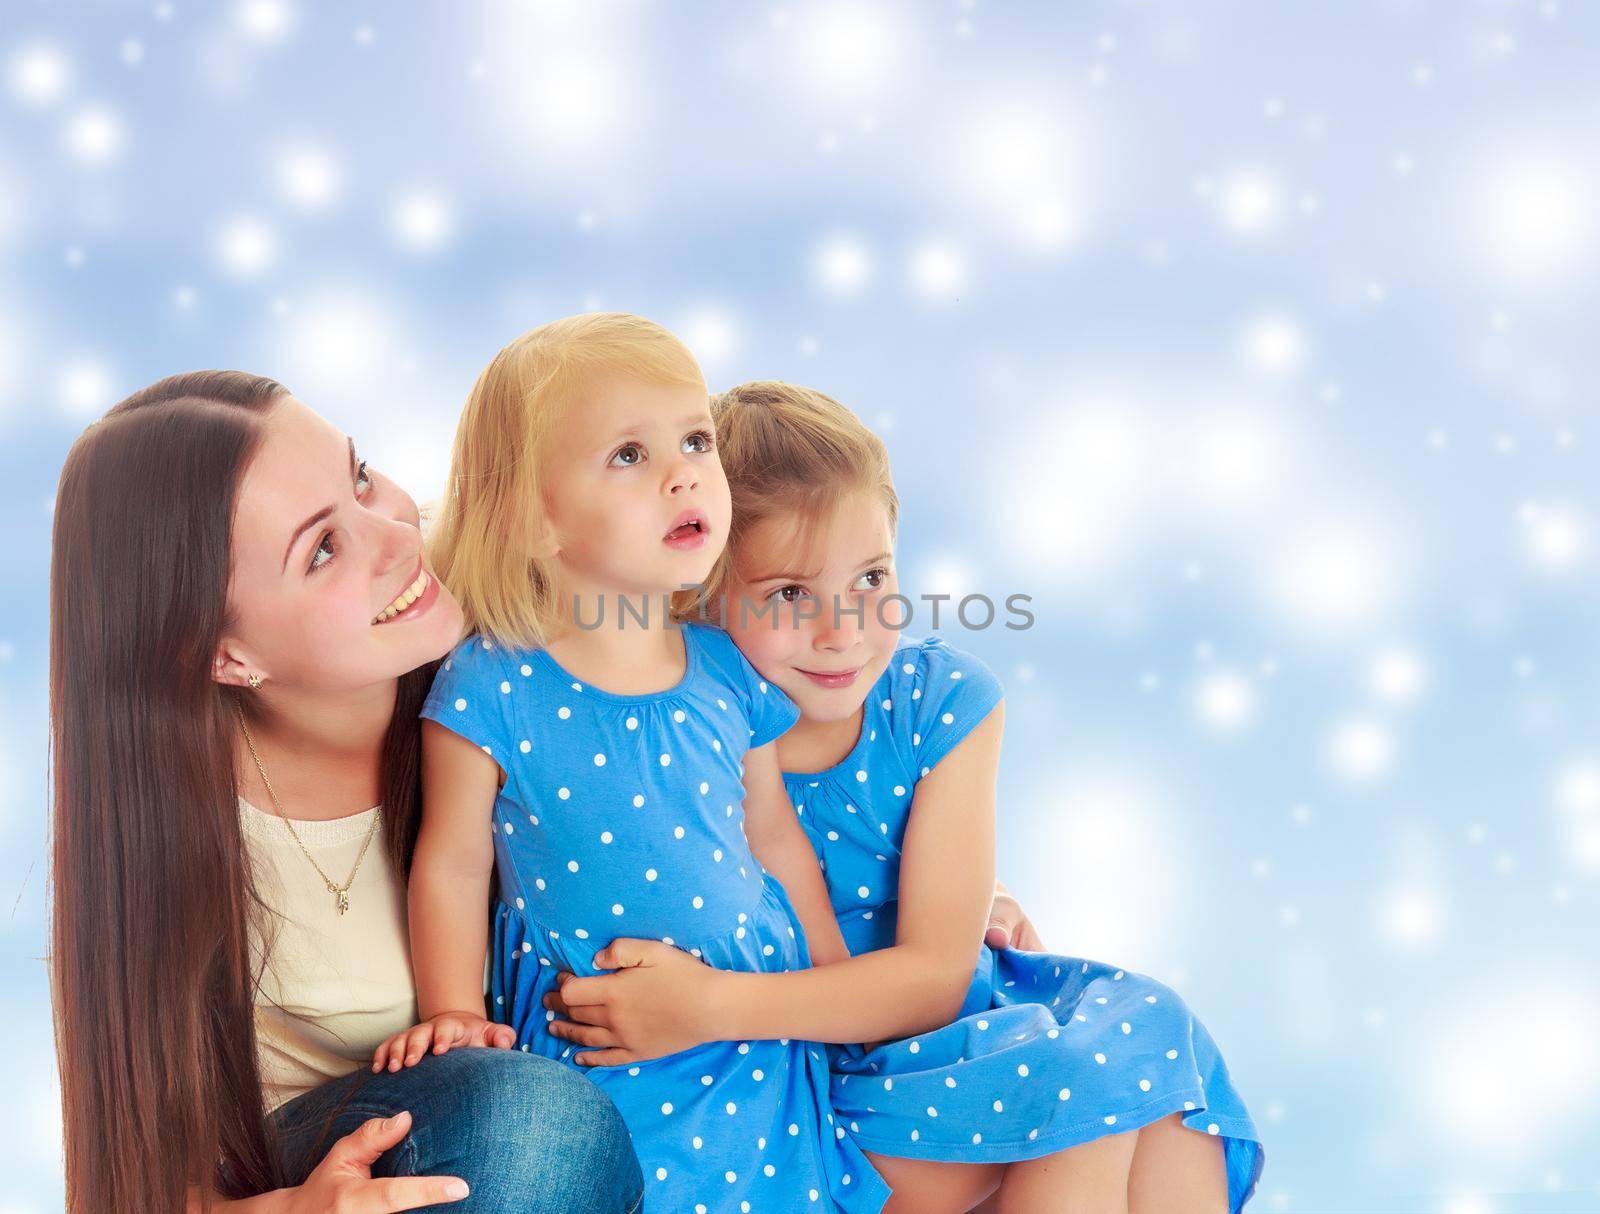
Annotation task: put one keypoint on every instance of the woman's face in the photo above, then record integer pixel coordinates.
(819, 628)
(325, 553)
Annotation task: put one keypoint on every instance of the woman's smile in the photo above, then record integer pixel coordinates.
(411, 602)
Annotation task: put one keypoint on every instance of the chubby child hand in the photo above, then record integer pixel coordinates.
(659, 1001)
(438, 1035)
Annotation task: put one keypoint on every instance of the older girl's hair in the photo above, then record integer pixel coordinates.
(489, 544)
(791, 453)
(152, 970)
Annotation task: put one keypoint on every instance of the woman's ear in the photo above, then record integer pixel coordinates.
(233, 668)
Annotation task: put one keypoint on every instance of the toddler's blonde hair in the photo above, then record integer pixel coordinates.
(489, 542)
(791, 453)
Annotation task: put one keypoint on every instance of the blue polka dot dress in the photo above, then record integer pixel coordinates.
(1047, 1051)
(622, 815)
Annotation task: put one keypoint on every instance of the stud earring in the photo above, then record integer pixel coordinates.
(255, 681)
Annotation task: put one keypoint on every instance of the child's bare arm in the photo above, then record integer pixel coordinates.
(781, 846)
(662, 1000)
(448, 903)
(946, 889)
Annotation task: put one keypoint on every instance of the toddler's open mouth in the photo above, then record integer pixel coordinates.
(688, 530)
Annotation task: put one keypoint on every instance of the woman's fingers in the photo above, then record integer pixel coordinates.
(361, 1147)
(393, 1193)
(347, 1168)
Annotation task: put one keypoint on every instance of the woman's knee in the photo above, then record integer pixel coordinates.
(519, 1089)
(511, 1124)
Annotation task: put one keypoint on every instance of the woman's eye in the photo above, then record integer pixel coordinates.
(633, 450)
(699, 442)
(324, 550)
(363, 479)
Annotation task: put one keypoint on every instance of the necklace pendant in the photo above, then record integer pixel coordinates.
(343, 902)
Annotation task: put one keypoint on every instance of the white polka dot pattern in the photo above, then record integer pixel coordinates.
(1055, 1051)
(624, 818)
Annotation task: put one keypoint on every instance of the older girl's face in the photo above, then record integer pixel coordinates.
(328, 590)
(818, 627)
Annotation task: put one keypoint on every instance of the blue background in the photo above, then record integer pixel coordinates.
(1254, 341)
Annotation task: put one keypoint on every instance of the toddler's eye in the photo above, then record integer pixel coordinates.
(782, 592)
(637, 456)
(878, 578)
(699, 442)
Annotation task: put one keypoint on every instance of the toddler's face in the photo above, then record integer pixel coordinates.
(795, 617)
(635, 490)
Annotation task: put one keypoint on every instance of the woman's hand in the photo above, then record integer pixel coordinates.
(343, 1183)
(441, 1033)
(658, 1002)
(1008, 926)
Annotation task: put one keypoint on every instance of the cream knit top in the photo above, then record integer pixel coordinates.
(334, 985)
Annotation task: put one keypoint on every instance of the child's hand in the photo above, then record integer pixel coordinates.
(441, 1034)
(659, 1002)
(1009, 926)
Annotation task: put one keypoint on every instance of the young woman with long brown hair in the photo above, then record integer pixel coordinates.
(242, 630)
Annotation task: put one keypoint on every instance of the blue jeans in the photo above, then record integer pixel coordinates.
(526, 1133)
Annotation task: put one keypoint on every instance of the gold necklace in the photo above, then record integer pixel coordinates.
(341, 893)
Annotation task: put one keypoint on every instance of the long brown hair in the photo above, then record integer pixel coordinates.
(153, 904)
